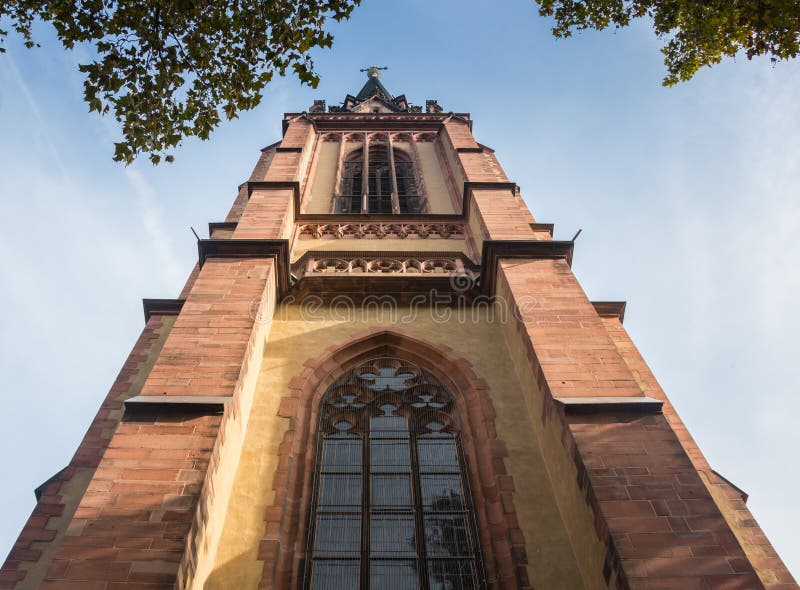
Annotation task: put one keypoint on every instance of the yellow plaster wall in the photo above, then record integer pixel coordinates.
(294, 338)
(324, 178)
(433, 175)
(475, 225)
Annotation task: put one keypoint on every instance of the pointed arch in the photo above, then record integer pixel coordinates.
(502, 543)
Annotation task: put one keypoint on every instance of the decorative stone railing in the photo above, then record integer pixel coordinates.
(443, 231)
(362, 263)
(384, 265)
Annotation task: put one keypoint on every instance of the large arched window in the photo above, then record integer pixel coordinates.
(392, 508)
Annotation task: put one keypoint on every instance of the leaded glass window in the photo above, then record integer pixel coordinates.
(379, 180)
(383, 183)
(352, 182)
(409, 199)
(392, 507)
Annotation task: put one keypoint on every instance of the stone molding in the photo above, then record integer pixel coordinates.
(494, 250)
(249, 248)
(398, 230)
(381, 263)
(161, 307)
(462, 216)
(610, 309)
(596, 405)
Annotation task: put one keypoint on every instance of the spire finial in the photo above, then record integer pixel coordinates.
(373, 71)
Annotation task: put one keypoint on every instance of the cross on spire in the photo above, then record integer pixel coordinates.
(373, 71)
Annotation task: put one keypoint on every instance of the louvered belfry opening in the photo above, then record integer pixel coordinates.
(392, 506)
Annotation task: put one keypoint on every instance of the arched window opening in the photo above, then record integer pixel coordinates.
(407, 190)
(379, 186)
(391, 507)
(352, 182)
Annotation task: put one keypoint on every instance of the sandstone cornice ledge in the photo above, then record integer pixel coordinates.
(161, 307)
(250, 248)
(596, 405)
(209, 403)
(610, 309)
(494, 250)
(221, 226)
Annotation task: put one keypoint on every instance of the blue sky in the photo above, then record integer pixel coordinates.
(687, 198)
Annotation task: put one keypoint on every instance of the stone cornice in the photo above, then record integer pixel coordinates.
(294, 186)
(595, 405)
(610, 309)
(349, 121)
(238, 248)
(378, 218)
(221, 225)
(485, 186)
(494, 250)
(212, 403)
(543, 227)
(161, 307)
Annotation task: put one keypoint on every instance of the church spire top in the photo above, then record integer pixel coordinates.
(373, 86)
(375, 98)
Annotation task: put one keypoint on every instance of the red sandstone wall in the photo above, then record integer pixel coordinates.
(32, 554)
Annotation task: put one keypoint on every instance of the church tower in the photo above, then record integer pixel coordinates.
(383, 374)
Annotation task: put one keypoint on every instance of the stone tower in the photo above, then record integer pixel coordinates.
(382, 373)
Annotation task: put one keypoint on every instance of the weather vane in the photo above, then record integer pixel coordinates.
(373, 71)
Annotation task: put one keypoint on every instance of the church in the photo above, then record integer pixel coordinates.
(383, 374)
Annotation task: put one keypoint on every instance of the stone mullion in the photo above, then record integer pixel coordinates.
(393, 176)
(365, 176)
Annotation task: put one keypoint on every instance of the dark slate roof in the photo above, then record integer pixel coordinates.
(371, 88)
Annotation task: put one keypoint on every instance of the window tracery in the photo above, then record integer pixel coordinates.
(379, 179)
(392, 507)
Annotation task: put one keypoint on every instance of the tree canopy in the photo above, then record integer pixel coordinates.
(697, 32)
(171, 69)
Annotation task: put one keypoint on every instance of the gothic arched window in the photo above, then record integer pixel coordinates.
(391, 508)
(386, 175)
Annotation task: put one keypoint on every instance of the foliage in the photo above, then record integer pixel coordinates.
(170, 69)
(697, 32)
